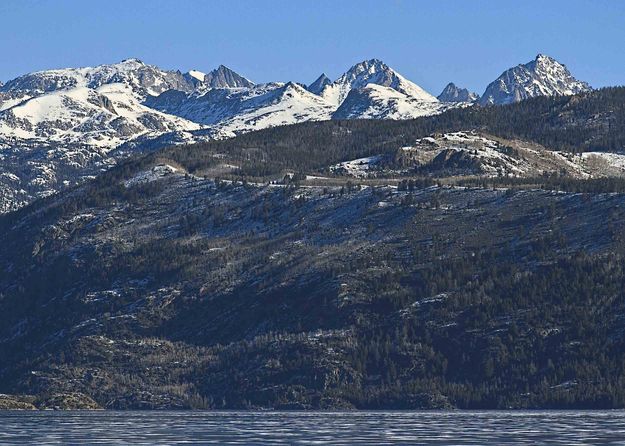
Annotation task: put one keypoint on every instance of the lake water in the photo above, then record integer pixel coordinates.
(313, 428)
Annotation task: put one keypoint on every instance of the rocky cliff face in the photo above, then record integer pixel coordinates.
(319, 84)
(224, 77)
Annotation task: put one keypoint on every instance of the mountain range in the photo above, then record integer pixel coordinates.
(60, 127)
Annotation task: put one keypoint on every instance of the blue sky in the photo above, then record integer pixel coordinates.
(430, 42)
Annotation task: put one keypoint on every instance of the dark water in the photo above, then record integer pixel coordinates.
(380, 428)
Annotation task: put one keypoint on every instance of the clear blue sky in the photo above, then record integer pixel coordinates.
(431, 42)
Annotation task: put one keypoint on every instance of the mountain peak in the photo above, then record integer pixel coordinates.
(224, 77)
(543, 76)
(543, 60)
(544, 57)
(453, 93)
(373, 71)
(319, 84)
(369, 66)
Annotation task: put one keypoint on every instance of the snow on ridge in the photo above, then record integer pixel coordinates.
(380, 102)
(197, 75)
(358, 168)
(372, 71)
(156, 173)
(543, 76)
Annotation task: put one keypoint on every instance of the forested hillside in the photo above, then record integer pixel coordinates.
(162, 290)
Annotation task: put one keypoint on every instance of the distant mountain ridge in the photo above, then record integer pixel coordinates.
(59, 127)
(79, 105)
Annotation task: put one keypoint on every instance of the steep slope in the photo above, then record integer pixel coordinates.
(224, 77)
(194, 78)
(319, 84)
(372, 71)
(544, 76)
(453, 93)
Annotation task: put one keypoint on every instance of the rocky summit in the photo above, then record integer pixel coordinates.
(453, 93)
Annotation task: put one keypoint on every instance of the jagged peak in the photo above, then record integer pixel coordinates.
(543, 76)
(322, 78)
(370, 65)
(295, 86)
(373, 62)
(453, 93)
(224, 77)
(544, 57)
(542, 60)
(371, 70)
(319, 84)
(224, 69)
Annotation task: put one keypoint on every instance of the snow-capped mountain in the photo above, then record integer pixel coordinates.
(99, 106)
(379, 102)
(109, 105)
(232, 111)
(229, 111)
(58, 127)
(544, 76)
(373, 91)
(453, 93)
(372, 71)
(144, 79)
(273, 105)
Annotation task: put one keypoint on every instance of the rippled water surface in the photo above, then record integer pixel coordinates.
(379, 428)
